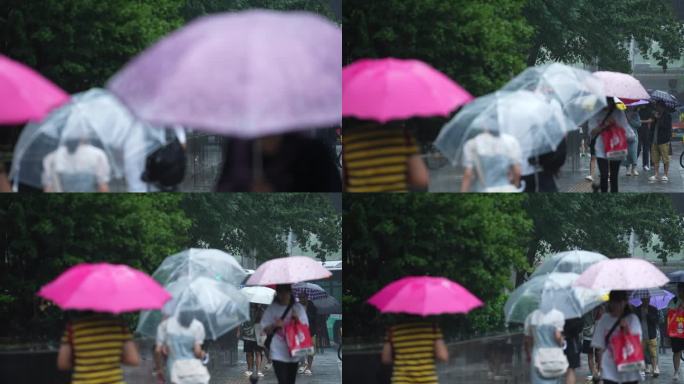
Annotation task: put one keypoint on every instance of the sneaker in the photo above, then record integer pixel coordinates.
(653, 178)
(308, 372)
(267, 366)
(589, 178)
(260, 374)
(664, 178)
(634, 172)
(301, 370)
(647, 168)
(248, 373)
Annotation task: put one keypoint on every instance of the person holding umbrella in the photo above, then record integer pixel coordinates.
(543, 330)
(312, 315)
(280, 313)
(661, 133)
(648, 316)
(677, 343)
(247, 332)
(612, 117)
(182, 344)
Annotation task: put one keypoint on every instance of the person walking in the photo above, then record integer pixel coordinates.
(407, 346)
(593, 359)
(106, 336)
(492, 163)
(247, 333)
(633, 147)
(617, 317)
(281, 312)
(182, 345)
(543, 330)
(76, 166)
(609, 167)
(644, 148)
(382, 158)
(661, 134)
(545, 170)
(572, 333)
(312, 315)
(676, 343)
(648, 316)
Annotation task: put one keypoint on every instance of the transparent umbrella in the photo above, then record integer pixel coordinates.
(538, 124)
(196, 262)
(575, 261)
(579, 93)
(94, 118)
(219, 306)
(551, 291)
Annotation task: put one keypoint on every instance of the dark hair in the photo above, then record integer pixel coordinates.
(283, 288)
(680, 286)
(618, 296)
(185, 318)
(72, 144)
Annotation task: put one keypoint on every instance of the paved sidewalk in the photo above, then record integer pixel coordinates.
(448, 178)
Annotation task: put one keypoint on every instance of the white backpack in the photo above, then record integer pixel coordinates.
(550, 362)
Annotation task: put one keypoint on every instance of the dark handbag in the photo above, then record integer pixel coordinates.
(269, 337)
(166, 166)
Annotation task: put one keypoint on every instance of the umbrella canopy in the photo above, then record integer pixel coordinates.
(259, 295)
(638, 103)
(288, 270)
(328, 306)
(424, 296)
(395, 89)
(95, 117)
(245, 74)
(576, 261)
(669, 100)
(312, 291)
(539, 125)
(551, 291)
(676, 277)
(219, 306)
(579, 93)
(25, 94)
(622, 274)
(105, 287)
(622, 85)
(196, 262)
(660, 298)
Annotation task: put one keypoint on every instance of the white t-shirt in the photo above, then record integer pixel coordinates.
(603, 326)
(171, 325)
(537, 318)
(86, 159)
(486, 144)
(279, 350)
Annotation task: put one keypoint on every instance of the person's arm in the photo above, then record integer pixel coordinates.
(515, 174)
(5, 185)
(199, 353)
(559, 336)
(418, 175)
(64, 357)
(103, 188)
(130, 355)
(467, 180)
(528, 342)
(441, 350)
(386, 356)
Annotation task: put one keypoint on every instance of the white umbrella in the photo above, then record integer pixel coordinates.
(288, 270)
(575, 261)
(259, 295)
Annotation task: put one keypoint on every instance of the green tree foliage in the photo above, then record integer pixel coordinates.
(474, 240)
(586, 30)
(194, 8)
(244, 222)
(79, 44)
(479, 44)
(603, 223)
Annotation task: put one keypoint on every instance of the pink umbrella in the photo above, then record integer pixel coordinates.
(25, 94)
(621, 274)
(394, 89)
(424, 295)
(623, 86)
(105, 288)
(288, 270)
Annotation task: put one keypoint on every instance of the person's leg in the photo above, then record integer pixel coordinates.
(257, 360)
(655, 159)
(570, 376)
(250, 361)
(653, 351)
(292, 373)
(665, 154)
(280, 368)
(614, 171)
(603, 173)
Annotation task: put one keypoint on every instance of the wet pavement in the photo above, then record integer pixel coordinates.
(327, 369)
(445, 178)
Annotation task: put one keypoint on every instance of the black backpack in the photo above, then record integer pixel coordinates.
(165, 167)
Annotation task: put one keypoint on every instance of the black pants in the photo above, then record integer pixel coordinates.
(608, 168)
(615, 382)
(286, 373)
(547, 183)
(644, 146)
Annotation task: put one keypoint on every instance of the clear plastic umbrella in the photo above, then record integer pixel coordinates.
(576, 261)
(259, 295)
(551, 291)
(538, 124)
(196, 262)
(579, 93)
(95, 117)
(219, 306)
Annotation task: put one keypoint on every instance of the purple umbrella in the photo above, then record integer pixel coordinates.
(659, 297)
(246, 74)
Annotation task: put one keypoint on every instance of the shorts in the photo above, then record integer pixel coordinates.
(573, 351)
(660, 151)
(252, 346)
(586, 347)
(677, 344)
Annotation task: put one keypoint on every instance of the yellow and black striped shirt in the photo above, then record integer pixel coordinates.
(414, 352)
(97, 345)
(376, 159)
